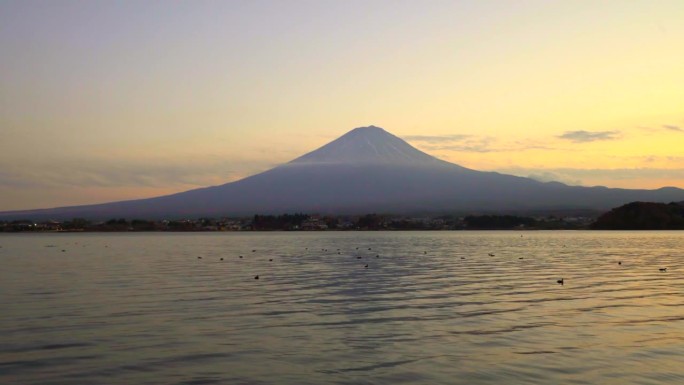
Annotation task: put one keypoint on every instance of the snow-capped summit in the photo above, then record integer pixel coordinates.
(367, 145)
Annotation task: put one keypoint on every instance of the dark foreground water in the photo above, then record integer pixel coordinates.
(434, 308)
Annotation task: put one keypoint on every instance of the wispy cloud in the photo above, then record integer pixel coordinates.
(436, 138)
(582, 136)
(523, 145)
(131, 173)
(550, 176)
(457, 142)
(662, 128)
(474, 143)
(582, 176)
(468, 144)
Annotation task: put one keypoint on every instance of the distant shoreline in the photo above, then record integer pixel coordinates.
(631, 216)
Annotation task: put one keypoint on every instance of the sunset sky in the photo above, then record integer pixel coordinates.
(114, 100)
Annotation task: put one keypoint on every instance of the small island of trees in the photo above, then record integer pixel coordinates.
(643, 216)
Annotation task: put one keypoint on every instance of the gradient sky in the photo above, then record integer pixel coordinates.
(113, 100)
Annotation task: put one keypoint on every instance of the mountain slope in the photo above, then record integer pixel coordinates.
(365, 170)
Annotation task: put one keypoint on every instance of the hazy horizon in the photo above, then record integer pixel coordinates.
(105, 101)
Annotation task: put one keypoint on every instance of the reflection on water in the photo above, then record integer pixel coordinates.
(431, 307)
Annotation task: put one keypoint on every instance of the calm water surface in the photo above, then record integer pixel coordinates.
(434, 308)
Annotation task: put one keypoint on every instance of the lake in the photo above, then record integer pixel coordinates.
(429, 308)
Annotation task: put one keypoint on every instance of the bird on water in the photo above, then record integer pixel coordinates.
(561, 281)
(256, 277)
(663, 269)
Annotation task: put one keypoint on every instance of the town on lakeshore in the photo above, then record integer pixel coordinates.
(306, 222)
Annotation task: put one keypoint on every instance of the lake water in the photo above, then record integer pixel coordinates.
(434, 308)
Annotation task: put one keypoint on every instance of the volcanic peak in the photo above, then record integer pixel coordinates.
(367, 145)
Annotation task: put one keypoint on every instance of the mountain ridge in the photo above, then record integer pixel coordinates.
(365, 170)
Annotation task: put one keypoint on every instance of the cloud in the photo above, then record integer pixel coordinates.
(105, 173)
(580, 176)
(529, 145)
(671, 159)
(436, 138)
(474, 144)
(15, 179)
(548, 176)
(457, 142)
(481, 148)
(466, 144)
(582, 136)
(662, 128)
(544, 175)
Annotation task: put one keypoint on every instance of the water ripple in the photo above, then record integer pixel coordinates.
(433, 308)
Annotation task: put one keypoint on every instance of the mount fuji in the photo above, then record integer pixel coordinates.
(366, 170)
